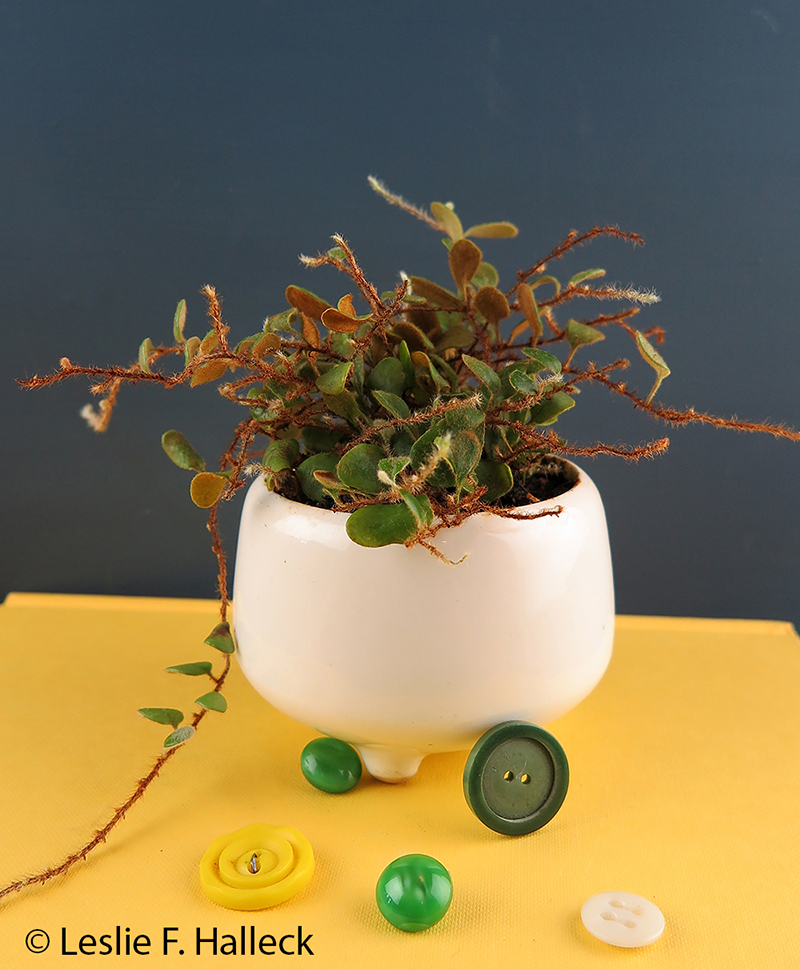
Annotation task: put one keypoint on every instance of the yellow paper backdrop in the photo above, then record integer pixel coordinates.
(685, 788)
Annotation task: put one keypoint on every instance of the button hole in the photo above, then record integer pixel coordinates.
(610, 916)
(525, 779)
(508, 776)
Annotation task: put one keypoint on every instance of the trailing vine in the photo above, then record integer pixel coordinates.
(429, 406)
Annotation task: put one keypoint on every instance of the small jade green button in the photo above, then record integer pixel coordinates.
(516, 778)
(414, 892)
(331, 765)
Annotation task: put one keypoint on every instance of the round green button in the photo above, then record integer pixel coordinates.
(516, 778)
(331, 765)
(414, 892)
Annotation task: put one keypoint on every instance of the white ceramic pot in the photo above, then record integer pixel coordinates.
(403, 655)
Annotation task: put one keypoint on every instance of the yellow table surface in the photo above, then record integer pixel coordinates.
(685, 788)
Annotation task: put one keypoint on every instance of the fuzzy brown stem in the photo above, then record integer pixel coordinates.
(409, 207)
(690, 416)
(102, 834)
(144, 783)
(573, 239)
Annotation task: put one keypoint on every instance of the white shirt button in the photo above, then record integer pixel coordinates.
(623, 919)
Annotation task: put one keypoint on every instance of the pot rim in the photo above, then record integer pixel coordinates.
(582, 477)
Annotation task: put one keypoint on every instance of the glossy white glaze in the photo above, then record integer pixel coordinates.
(402, 655)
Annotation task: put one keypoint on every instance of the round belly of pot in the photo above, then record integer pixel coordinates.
(404, 655)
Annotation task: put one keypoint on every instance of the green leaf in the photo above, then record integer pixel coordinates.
(466, 418)
(324, 462)
(423, 361)
(179, 322)
(206, 489)
(387, 375)
(446, 371)
(261, 412)
(210, 342)
(493, 230)
(181, 452)
(306, 302)
(449, 220)
(485, 374)
(358, 468)
(587, 274)
(282, 322)
(391, 467)
(359, 373)
(459, 337)
(339, 322)
(220, 638)
(546, 361)
(415, 338)
(464, 259)
(191, 670)
(146, 348)
(486, 275)
(265, 344)
(434, 294)
(213, 701)
(423, 450)
(346, 406)
(496, 477)
(528, 306)
(381, 525)
(334, 380)
(449, 319)
(162, 715)
(280, 455)
(465, 453)
(655, 360)
(420, 507)
(548, 411)
(402, 443)
(395, 405)
(211, 371)
(541, 280)
(245, 346)
(190, 349)
(496, 443)
(578, 334)
(319, 439)
(337, 253)
(331, 482)
(521, 382)
(492, 303)
(181, 736)
(404, 356)
(310, 332)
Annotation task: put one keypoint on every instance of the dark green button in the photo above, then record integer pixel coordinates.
(331, 765)
(516, 778)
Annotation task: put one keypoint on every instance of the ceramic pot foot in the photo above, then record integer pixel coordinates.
(389, 763)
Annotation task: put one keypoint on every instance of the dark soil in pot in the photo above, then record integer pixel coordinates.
(553, 477)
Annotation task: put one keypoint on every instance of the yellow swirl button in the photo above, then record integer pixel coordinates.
(256, 867)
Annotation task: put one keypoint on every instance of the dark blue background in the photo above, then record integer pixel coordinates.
(148, 149)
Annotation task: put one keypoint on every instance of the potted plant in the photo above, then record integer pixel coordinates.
(410, 483)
